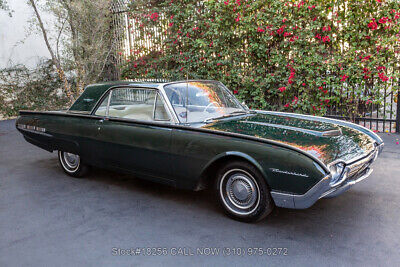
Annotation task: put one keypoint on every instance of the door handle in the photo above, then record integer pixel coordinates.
(101, 121)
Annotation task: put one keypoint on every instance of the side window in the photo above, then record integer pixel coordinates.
(160, 113)
(102, 109)
(131, 103)
(134, 103)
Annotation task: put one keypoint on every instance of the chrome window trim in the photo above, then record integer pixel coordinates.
(163, 104)
(173, 117)
(108, 104)
(170, 108)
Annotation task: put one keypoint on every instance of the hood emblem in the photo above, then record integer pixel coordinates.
(290, 173)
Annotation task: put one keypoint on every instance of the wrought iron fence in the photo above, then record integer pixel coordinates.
(381, 117)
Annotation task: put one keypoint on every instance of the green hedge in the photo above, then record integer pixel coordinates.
(302, 56)
(34, 89)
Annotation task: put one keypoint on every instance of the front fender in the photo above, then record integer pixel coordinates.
(236, 154)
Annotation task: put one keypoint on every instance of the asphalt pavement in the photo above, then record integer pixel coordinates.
(50, 219)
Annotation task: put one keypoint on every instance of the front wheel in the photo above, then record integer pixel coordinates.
(72, 164)
(243, 192)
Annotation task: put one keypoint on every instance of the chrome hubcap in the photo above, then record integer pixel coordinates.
(239, 191)
(71, 160)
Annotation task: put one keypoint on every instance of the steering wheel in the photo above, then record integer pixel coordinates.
(209, 105)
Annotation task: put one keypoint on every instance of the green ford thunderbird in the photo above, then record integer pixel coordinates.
(194, 134)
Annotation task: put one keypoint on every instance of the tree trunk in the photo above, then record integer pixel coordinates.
(56, 62)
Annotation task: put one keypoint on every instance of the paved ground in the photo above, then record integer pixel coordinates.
(48, 218)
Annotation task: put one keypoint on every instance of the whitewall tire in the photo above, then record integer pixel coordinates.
(243, 192)
(72, 164)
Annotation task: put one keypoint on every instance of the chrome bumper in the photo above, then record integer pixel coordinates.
(323, 189)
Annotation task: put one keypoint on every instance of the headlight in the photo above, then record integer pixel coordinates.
(338, 173)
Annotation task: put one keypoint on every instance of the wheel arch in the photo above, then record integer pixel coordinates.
(212, 166)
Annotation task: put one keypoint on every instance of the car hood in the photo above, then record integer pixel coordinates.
(324, 140)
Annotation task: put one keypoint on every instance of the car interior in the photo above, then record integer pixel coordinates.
(138, 104)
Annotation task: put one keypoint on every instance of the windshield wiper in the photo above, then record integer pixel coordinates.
(233, 113)
(238, 112)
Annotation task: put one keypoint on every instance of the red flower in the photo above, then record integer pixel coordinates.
(292, 39)
(314, 19)
(373, 25)
(235, 92)
(318, 36)
(211, 44)
(326, 101)
(366, 58)
(304, 84)
(154, 16)
(383, 77)
(344, 77)
(282, 89)
(260, 29)
(286, 34)
(181, 69)
(326, 29)
(286, 105)
(383, 20)
(326, 39)
(237, 18)
(226, 2)
(281, 29)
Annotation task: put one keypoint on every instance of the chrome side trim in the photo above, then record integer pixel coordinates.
(35, 132)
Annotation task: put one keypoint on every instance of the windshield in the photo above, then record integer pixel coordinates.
(202, 101)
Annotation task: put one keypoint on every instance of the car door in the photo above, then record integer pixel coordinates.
(134, 133)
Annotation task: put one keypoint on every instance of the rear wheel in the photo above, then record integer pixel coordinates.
(72, 164)
(243, 192)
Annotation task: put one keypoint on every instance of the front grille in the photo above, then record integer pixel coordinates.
(362, 164)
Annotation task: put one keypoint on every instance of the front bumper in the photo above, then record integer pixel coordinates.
(323, 188)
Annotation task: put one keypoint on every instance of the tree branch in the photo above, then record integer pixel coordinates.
(56, 62)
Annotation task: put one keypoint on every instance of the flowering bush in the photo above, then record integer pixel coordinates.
(302, 56)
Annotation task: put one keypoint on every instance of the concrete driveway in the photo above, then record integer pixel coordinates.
(50, 219)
